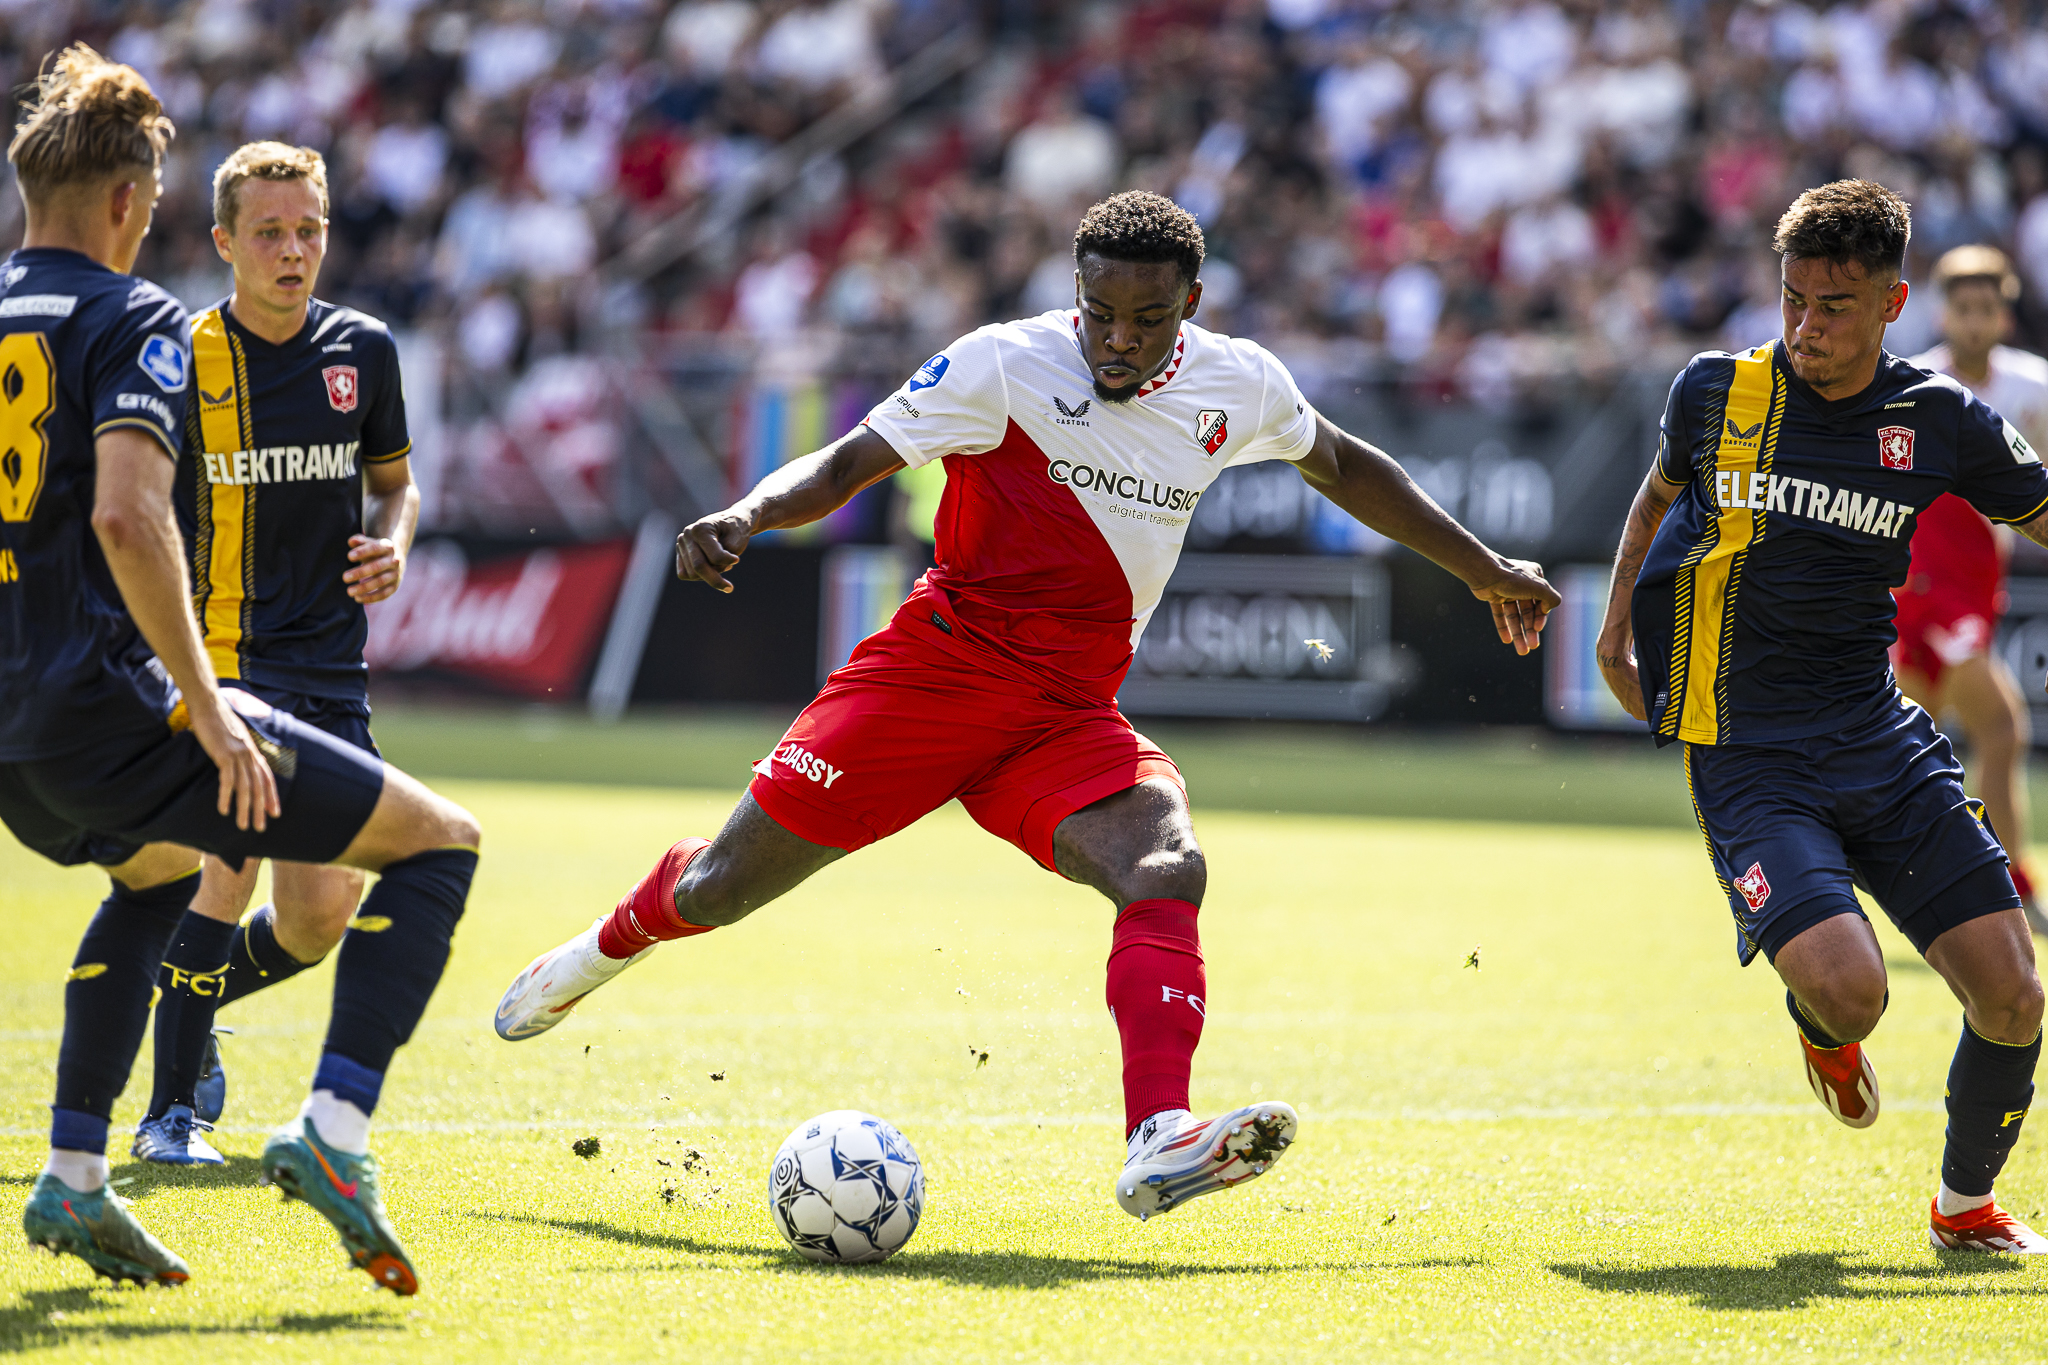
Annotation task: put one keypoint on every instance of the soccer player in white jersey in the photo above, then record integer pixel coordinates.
(1076, 445)
(1955, 590)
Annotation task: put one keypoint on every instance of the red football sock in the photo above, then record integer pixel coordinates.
(647, 915)
(1156, 994)
(2021, 882)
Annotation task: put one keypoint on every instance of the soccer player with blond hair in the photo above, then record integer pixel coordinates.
(298, 508)
(117, 745)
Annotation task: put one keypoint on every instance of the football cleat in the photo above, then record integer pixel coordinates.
(210, 1095)
(548, 990)
(1200, 1158)
(342, 1188)
(173, 1140)
(1989, 1228)
(1843, 1080)
(98, 1229)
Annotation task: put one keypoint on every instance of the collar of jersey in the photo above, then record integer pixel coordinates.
(1158, 381)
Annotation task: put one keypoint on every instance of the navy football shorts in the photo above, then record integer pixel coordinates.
(102, 804)
(347, 721)
(1793, 826)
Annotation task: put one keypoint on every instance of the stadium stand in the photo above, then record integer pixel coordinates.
(1483, 201)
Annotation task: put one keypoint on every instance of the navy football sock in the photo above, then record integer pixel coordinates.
(106, 1006)
(255, 960)
(391, 960)
(1990, 1086)
(194, 971)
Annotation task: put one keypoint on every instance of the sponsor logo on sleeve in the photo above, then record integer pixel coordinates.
(2022, 453)
(341, 387)
(1212, 429)
(164, 361)
(142, 402)
(930, 373)
(1753, 885)
(1895, 447)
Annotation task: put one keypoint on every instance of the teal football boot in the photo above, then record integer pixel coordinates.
(342, 1188)
(99, 1229)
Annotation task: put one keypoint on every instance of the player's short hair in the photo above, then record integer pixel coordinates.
(1849, 220)
(265, 161)
(1138, 225)
(1977, 265)
(88, 120)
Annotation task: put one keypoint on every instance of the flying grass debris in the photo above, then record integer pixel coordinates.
(718, 1075)
(979, 1055)
(586, 1147)
(1322, 650)
(1472, 958)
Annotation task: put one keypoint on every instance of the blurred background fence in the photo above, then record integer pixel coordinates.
(640, 253)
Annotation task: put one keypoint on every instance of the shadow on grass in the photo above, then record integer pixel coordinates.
(26, 1322)
(986, 1269)
(135, 1178)
(1799, 1280)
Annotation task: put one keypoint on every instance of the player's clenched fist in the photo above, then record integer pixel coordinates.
(710, 546)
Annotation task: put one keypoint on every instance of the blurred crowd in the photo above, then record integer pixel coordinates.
(1482, 198)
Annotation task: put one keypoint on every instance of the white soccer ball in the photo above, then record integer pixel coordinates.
(846, 1187)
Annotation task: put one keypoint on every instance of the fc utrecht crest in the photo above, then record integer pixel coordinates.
(341, 387)
(1895, 447)
(1212, 429)
(1753, 887)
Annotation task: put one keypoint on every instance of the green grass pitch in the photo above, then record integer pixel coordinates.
(1596, 1147)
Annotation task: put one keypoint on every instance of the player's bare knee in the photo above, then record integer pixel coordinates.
(1849, 1010)
(711, 892)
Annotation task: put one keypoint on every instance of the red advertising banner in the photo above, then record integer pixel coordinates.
(524, 623)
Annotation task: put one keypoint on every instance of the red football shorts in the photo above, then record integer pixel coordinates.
(1941, 629)
(911, 722)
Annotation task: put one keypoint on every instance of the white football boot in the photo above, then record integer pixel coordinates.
(1175, 1158)
(544, 994)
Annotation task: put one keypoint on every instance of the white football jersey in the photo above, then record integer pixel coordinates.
(2017, 391)
(1063, 514)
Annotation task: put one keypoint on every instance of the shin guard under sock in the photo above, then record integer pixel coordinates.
(106, 1006)
(647, 914)
(194, 970)
(1990, 1086)
(392, 957)
(255, 961)
(1157, 992)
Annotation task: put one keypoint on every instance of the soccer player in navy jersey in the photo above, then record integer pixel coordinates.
(117, 746)
(298, 508)
(1076, 445)
(1750, 618)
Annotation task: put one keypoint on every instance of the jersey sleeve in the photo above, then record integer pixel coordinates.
(1286, 423)
(958, 403)
(1674, 434)
(384, 434)
(139, 368)
(1997, 471)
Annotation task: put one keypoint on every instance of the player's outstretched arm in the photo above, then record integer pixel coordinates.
(391, 513)
(1366, 482)
(1616, 647)
(797, 494)
(138, 533)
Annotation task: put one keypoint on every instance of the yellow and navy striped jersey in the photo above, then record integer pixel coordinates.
(271, 489)
(1764, 608)
(83, 350)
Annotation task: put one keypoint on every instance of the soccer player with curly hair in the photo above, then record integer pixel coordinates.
(1076, 445)
(1750, 618)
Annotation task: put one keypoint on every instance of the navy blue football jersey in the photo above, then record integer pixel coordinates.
(1764, 608)
(83, 350)
(271, 488)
